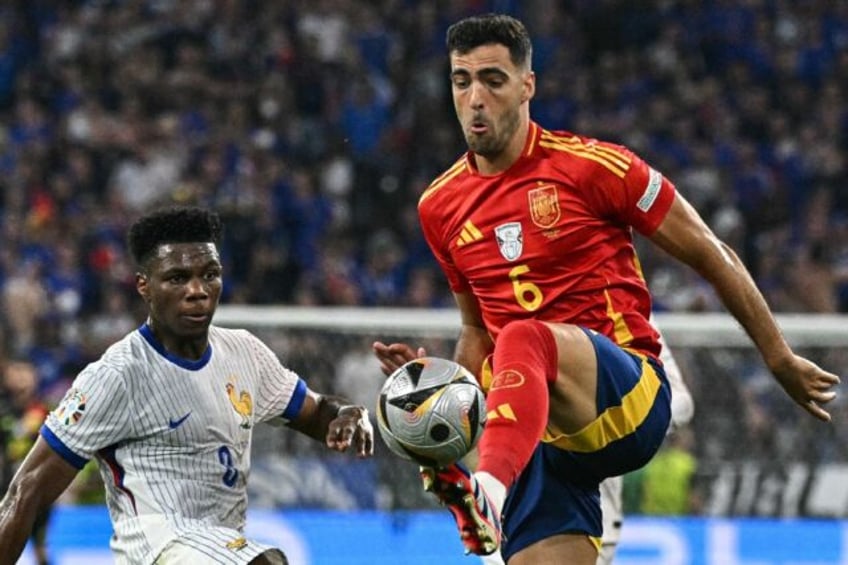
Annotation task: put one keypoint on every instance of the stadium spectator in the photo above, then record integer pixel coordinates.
(666, 481)
(21, 419)
(24, 300)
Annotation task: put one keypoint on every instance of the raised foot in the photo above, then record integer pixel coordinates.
(475, 515)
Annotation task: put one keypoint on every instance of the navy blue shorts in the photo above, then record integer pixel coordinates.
(558, 491)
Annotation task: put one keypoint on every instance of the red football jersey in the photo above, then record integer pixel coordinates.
(551, 238)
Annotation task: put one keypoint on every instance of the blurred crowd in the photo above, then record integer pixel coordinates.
(313, 125)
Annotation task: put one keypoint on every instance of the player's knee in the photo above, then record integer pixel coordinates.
(528, 342)
(529, 333)
(538, 334)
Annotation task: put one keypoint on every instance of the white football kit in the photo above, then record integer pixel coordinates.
(172, 438)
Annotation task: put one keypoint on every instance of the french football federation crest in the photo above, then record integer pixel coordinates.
(510, 240)
(544, 206)
(242, 403)
(237, 544)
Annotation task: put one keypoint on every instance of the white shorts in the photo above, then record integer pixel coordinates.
(215, 545)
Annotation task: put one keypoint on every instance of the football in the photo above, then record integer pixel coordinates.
(431, 411)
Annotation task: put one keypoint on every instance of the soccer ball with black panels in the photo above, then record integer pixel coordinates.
(431, 411)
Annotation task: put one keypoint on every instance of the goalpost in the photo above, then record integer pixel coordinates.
(758, 453)
(689, 329)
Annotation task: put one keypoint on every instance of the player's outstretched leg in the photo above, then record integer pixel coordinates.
(475, 514)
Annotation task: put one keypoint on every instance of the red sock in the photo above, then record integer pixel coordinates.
(525, 361)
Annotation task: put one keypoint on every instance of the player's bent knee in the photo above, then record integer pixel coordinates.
(527, 342)
(538, 333)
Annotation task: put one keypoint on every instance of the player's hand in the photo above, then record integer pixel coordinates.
(393, 356)
(351, 427)
(808, 385)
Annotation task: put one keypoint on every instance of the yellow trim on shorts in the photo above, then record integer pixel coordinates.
(615, 422)
(596, 542)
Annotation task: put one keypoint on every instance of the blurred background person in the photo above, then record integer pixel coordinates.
(23, 413)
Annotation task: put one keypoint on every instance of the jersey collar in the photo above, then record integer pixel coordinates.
(530, 144)
(147, 333)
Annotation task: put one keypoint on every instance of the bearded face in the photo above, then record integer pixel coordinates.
(490, 97)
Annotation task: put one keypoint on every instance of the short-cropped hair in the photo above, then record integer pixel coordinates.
(487, 29)
(176, 224)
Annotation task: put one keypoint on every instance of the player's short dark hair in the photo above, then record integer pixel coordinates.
(176, 224)
(474, 31)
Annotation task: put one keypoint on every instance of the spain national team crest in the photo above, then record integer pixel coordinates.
(544, 206)
(510, 240)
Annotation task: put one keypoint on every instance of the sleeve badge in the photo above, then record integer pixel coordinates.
(72, 407)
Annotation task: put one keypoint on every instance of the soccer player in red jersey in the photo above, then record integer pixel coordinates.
(534, 232)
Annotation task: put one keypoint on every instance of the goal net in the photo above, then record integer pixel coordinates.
(757, 453)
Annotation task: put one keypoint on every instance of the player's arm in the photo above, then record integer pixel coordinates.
(393, 355)
(336, 422)
(474, 343)
(41, 478)
(472, 347)
(686, 236)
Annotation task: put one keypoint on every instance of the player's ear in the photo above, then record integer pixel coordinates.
(528, 86)
(141, 286)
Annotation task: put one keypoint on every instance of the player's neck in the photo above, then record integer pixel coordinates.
(495, 165)
(189, 348)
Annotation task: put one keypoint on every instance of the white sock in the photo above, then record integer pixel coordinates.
(493, 559)
(495, 489)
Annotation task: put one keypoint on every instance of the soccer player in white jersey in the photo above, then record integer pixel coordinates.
(168, 412)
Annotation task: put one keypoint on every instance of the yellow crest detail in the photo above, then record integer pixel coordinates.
(236, 544)
(544, 206)
(241, 401)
